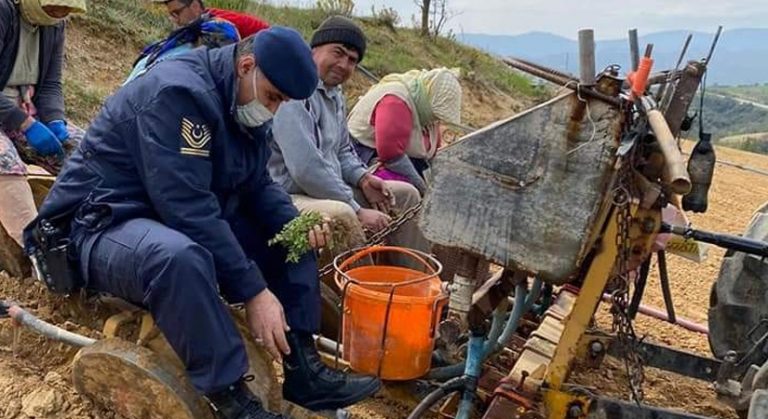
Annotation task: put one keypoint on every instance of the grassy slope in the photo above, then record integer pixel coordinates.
(756, 93)
(103, 44)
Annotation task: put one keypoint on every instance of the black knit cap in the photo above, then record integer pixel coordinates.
(340, 30)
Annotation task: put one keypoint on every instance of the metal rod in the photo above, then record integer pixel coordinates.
(634, 49)
(570, 83)
(665, 288)
(666, 92)
(684, 51)
(661, 315)
(640, 283)
(367, 73)
(648, 51)
(587, 57)
(727, 241)
(553, 71)
(328, 346)
(30, 321)
(714, 44)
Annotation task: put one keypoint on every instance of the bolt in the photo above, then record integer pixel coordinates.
(649, 225)
(596, 348)
(575, 411)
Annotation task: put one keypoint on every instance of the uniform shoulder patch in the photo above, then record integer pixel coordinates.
(196, 138)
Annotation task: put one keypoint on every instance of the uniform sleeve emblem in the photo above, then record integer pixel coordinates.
(197, 138)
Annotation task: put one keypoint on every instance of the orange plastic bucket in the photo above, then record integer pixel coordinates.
(389, 313)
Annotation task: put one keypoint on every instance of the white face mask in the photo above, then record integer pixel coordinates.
(254, 114)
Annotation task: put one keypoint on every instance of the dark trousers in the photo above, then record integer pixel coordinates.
(163, 270)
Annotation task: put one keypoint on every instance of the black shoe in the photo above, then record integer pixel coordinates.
(313, 385)
(238, 402)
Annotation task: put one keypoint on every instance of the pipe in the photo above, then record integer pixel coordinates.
(328, 346)
(497, 322)
(587, 57)
(24, 318)
(450, 386)
(661, 315)
(474, 364)
(675, 172)
(634, 49)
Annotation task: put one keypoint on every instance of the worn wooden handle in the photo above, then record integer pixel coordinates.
(675, 173)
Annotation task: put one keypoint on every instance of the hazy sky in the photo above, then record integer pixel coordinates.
(609, 19)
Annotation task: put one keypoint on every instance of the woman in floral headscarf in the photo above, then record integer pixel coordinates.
(33, 128)
(206, 30)
(397, 122)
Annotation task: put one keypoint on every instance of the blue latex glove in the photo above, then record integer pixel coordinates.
(42, 139)
(59, 129)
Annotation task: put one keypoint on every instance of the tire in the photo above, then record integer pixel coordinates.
(739, 297)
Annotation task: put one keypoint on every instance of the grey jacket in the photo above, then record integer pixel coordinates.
(311, 149)
(48, 98)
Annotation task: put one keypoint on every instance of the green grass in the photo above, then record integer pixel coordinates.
(402, 49)
(755, 93)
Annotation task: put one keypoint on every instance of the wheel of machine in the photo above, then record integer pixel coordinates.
(134, 382)
(739, 297)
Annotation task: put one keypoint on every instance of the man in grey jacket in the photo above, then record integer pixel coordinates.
(32, 122)
(313, 157)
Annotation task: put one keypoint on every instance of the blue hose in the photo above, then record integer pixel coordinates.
(523, 302)
(474, 363)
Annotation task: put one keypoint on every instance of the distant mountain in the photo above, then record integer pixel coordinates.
(741, 56)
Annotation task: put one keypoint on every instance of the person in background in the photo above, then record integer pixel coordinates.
(397, 122)
(33, 124)
(207, 31)
(183, 12)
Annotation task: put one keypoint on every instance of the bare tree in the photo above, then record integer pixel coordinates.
(435, 14)
(424, 7)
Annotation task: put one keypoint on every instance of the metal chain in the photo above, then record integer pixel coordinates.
(380, 236)
(622, 323)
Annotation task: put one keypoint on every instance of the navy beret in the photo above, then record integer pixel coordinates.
(286, 60)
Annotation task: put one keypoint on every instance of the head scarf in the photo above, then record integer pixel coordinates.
(205, 31)
(435, 93)
(32, 10)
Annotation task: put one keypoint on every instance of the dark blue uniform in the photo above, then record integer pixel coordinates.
(171, 204)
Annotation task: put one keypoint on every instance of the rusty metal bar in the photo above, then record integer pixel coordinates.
(558, 78)
(587, 57)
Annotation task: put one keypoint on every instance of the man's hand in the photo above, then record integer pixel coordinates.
(266, 320)
(320, 235)
(377, 193)
(373, 220)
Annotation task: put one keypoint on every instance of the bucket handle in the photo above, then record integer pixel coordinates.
(419, 256)
(437, 309)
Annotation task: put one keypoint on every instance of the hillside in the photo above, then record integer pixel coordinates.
(741, 56)
(754, 93)
(108, 39)
(726, 116)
